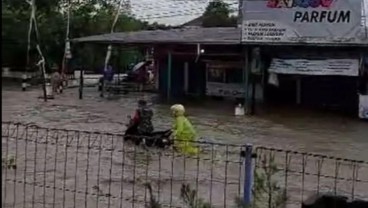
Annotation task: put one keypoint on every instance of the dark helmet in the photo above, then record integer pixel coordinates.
(142, 103)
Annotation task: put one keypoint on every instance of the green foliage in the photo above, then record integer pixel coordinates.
(14, 35)
(86, 19)
(44, 6)
(218, 14)
(239, 203)
(9, 162)
(190, 198)
(266, 189)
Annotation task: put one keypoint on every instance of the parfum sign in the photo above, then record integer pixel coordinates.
(306, 21)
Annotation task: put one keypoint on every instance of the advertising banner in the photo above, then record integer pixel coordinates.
(303, 21)
(225, 89)
(343, 67)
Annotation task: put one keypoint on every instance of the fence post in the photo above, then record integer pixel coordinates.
(81, 83)
(248, 171)
(24, 82)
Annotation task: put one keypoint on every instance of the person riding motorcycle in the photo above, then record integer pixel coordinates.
(143, 119)
(183, 131)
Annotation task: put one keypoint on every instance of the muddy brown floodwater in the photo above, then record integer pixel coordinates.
(299, 130)
(284, 128)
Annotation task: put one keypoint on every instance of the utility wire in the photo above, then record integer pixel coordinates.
(174, 8)
(183, 12)
(169, 15)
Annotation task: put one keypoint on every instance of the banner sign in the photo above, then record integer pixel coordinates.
(303, 21)
(225, 89)
(344, 67)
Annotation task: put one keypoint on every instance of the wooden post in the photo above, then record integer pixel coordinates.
(169, 68)
(186, 77)
(81, 83)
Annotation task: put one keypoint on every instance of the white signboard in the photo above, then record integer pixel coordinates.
(343, 67)
(303, 21)
(363, 106)
(267, 31)
(225, 89)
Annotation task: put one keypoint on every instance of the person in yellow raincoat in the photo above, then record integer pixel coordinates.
(183, 131)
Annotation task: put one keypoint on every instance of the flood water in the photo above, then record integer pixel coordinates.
(300, 130)
(217, 176)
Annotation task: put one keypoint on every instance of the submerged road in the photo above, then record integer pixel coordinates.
(299, 130)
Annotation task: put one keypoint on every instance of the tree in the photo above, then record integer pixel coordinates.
(86, 19)
(14, 36)
(218, 14)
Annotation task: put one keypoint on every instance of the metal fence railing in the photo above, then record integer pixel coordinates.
(287, 178)
(64, 168)
(44, 167)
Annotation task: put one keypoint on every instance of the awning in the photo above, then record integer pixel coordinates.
(342, 67)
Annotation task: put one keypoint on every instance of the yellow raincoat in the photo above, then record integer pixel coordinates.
(184, 132)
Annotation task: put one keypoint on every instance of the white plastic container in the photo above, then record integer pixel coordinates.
(239, 110)
(49, 92)
(77, 74)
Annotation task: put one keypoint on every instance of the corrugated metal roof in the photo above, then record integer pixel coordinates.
(191, 35)
(218, 35)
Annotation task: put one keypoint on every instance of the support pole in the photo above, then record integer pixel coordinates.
(42, 66)
(100, 84)
(186, 77)
(248, 178)
(81, 83)
(118, 65)
(43, 83)
(169, 68)
(253, 100)
(157, 75)
(246, 70)
(298, 90)
(24, 82)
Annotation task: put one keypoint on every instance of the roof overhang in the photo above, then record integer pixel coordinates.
(192, 36)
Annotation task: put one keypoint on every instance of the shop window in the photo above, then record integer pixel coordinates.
(216, 75)
(234, 76)
(225, 73)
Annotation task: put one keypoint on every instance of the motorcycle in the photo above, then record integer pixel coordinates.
(160, 139)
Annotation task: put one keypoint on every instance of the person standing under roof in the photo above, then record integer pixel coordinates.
(108, 77)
